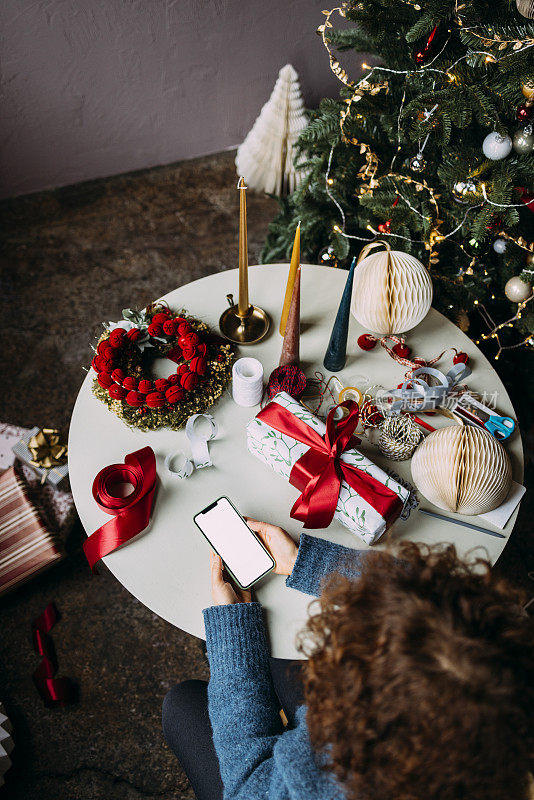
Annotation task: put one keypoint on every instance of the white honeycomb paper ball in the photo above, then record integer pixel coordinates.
(391, 295)
(462, 468)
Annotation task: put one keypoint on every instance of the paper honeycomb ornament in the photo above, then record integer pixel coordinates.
(392, 291)
(266, 156)
(462, 468)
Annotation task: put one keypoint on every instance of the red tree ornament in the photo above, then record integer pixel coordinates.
(105, 380)
(189, 381)
(130, 383)
(460, 358)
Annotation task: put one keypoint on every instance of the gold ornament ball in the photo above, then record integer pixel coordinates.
(517, 290)
(528, 89)
(530, 260)
(463, 321)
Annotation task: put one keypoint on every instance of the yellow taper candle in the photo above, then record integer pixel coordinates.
(293, 267)
(243, 303)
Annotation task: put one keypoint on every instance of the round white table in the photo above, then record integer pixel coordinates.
(167, 566)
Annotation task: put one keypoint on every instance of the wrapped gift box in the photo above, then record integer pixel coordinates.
(281, 452)
(54, 476)
(27, 546)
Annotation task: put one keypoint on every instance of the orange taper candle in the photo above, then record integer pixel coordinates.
(293, 267)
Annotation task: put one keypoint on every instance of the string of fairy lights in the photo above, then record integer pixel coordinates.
(370, 168)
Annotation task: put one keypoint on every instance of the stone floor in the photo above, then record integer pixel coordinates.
(73, 258)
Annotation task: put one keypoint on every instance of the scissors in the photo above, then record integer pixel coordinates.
(476, 413)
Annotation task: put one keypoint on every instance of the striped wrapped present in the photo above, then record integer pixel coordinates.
(27, 546)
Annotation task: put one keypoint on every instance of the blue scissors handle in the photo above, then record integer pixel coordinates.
(500, 427)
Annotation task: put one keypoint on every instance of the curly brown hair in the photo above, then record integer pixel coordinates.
(420, 683)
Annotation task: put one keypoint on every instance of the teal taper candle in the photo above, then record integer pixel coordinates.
(336, 352)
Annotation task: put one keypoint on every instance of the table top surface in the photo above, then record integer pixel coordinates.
(167, 566)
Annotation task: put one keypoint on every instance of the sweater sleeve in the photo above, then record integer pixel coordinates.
(243, 707)
(319, 558)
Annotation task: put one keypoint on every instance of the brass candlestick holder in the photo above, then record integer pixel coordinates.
(243, 323)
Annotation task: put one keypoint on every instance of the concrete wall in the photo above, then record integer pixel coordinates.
(98, 87)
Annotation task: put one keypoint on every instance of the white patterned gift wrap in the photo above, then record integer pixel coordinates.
(281, 452)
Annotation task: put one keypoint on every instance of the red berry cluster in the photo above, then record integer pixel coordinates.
(140, 393)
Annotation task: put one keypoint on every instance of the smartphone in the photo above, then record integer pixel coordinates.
(245, 557)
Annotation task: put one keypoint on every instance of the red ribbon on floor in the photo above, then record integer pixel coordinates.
(131, 514)
(319, 472)
(53, 691)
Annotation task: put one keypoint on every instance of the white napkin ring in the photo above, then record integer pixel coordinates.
(185, 468)
(199, 437)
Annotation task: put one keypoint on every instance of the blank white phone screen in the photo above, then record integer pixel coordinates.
(232, 539)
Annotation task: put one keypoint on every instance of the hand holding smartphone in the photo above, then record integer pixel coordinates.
(244, 556)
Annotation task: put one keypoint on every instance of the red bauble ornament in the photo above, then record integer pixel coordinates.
(118, 375)
(160, 318)
(460, 358)
(105, 380)
(101, 346)
(96, 364)
(133, 334)
(155, 329)
(385, 227)
(155, 400)
(524, 112)
(401, 350)
(117, 392)
(130, 383)
(105, 363)
(198, 365)
(173, 379)
(189, 352)
(189, 381)
(184, 328)
(135, 399)
(170, 328)
(174, 394)
(366, 341)
(145, 386)
(193, 339)
(116, 337)
(181, 369)
(162, 384)
(526, 197)
(202, 349)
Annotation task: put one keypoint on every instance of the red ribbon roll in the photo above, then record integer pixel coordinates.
(131, 514)
(53, 691)
(319, 472)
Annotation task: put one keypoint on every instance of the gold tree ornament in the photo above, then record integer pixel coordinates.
(463, 469)
(392, 290)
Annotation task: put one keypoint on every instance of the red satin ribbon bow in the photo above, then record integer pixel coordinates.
(53, 691)
(131, 514)
(319, 472)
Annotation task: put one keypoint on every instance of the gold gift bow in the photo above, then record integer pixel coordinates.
(47, 450)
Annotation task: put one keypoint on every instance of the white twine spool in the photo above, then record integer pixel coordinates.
(247, 382)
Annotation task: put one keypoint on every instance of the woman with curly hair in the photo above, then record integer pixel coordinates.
(419, 683)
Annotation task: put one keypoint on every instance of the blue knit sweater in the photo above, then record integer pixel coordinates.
(257, 758)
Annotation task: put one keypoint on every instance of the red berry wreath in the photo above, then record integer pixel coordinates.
(123, 359)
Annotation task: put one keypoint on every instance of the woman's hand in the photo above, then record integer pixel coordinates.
(278, 542)
(223, 592)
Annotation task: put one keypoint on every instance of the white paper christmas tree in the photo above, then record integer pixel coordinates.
(6, 743)
(266, 156)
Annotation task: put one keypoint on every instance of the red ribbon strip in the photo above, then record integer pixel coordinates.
(131, 514)
(53, 691)
(319, 472)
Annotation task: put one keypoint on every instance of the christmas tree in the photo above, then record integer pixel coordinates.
(431, 149)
